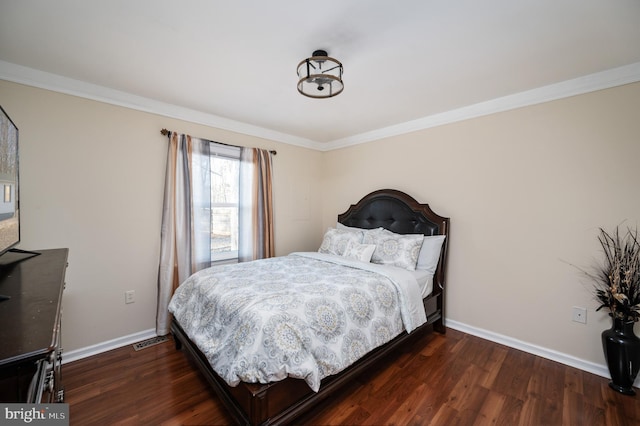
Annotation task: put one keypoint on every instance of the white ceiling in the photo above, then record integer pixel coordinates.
(233, 63)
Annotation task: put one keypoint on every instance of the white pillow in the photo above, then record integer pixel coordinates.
(357, 251)
(335, 240)
(394, 249)
(430, 253)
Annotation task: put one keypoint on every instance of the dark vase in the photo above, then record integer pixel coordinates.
(622, 353)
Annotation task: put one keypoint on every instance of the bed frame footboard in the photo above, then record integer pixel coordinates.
(281, 402)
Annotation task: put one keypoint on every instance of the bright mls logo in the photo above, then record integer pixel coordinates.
(36, 414)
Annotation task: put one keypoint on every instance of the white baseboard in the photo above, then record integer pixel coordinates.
(591, 367)
(107, 346)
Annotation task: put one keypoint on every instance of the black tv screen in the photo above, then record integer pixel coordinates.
(9, 188)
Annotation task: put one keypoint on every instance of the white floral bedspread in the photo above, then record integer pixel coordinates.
(306, 315)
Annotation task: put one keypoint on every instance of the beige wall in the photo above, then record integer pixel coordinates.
(92, 177)
(526, 191)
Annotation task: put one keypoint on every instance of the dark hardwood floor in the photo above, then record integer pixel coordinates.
(452, 379)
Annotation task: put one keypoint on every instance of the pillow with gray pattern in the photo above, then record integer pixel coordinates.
(335, 241)
(394, 249)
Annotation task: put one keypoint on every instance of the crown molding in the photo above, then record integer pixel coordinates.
(577, 86)
(44, 80)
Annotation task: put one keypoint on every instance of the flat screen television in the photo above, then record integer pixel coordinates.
(9, 184)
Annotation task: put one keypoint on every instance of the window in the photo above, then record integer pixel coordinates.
(225, 182)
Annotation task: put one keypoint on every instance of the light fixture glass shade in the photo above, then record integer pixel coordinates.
(320, 76)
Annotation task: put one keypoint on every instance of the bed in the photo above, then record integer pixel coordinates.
(381, 214)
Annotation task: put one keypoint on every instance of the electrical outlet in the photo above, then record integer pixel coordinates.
(580, 314)
(129, 296)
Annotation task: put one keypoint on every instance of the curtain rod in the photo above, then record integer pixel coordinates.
(166, 132)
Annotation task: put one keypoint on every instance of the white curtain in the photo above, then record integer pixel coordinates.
(256, 240)
(185, 234)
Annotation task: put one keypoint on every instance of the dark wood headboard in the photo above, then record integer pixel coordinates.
(400, 213)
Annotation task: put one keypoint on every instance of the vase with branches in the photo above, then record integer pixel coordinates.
(617, 289)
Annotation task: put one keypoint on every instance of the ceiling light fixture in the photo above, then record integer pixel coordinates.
(320, 76)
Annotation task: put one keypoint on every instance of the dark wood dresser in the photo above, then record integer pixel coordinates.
(30, 351)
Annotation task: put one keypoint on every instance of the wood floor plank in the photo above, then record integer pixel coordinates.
(452, 379)
(577, 411)
(489, 413)
(405, 413)
(547, 380)
(513, 376)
